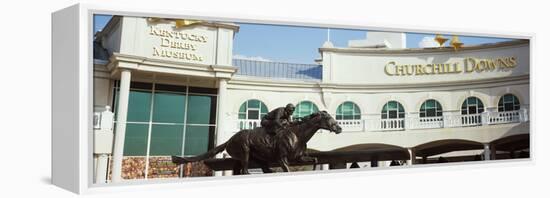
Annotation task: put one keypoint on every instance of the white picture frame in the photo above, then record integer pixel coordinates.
(72, 92)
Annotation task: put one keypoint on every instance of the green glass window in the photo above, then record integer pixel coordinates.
(348, 111)
(139, 106)
(472, 105)
(166, 139)
(431, 108)
(304, 108)
(197, 139)
(393, 109)
(508, 102)
(252, 110)
(139, 101)
(135, 139)
(169, 107)
(158, 122)
(202, 109)
(242, 111)
(253, 103)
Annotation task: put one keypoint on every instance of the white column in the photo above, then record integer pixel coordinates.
(219, 173)
(486, 152)
(449, 118)
(122, 113)
(325, 167)
(412, 157)
(485, 118)
(221, 120)
(409, 119)
(101, 169)
(523, 115)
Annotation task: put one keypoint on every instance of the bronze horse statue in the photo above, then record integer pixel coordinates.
(257, 145)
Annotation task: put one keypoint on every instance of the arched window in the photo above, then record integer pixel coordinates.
(304, 108)
(472, 105)
(252, 110)
(393, 109)
(508, 102)
(431, 108)
(348, 111)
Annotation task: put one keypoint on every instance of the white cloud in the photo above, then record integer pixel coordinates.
(428, 42)
(255, 58)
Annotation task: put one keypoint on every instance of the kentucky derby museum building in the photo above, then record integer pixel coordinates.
(174, 88)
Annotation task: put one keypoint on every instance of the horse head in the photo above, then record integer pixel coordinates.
(327, 122)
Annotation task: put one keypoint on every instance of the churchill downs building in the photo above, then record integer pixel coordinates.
(179, 91)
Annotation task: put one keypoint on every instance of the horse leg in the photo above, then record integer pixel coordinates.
(263, 164)
(313, 160)
(283, 161)
(244, 161)
(237, 168)
(266, 169)
(305, 158)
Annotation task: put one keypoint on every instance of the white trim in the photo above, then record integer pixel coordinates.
(240, 82)
(311, 108)
(246, 98)
(423, 51)
(476, 95)
(120, 61)
(385, 101)
(444, 106)
(149, 132)
(512, 91)
(504, 102)
(353, 110)
(184, 132)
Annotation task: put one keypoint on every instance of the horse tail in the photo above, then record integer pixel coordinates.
(209, 154)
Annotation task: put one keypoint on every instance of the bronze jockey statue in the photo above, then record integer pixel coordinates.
(276, 119)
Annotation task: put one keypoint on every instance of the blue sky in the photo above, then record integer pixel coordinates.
(298, 44)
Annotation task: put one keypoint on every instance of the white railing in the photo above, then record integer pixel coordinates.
(385, 124)
(425, 122)
(462, 120)
(248, 124)
(351, 125)
(504, 117)
(446, 121)
(392, 124)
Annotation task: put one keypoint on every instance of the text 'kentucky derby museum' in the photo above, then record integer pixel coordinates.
(166, 87)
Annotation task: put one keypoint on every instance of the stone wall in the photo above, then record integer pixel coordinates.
(160, 167)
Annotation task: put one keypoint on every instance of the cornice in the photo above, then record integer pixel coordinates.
(386, 51)
(117, 58)
(244, 82)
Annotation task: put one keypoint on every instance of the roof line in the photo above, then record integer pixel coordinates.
(425, 50)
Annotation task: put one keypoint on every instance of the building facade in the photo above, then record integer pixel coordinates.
(178, 91)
